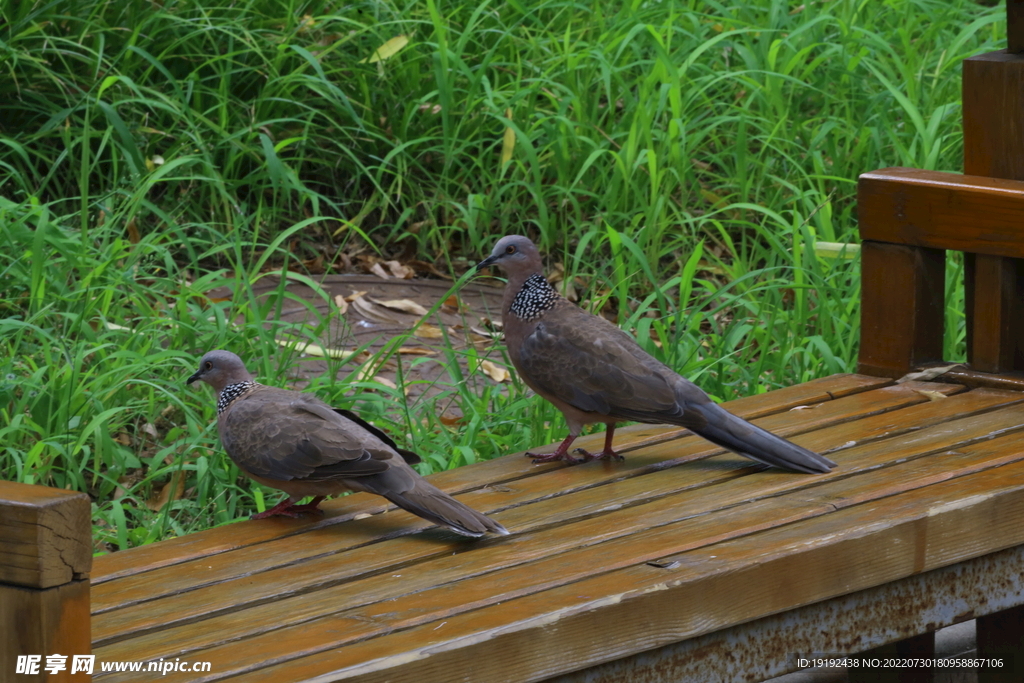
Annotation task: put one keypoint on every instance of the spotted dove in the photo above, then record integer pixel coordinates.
(295, 442)
(594, 372)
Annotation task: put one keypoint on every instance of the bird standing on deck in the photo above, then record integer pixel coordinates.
(295, 442)
(594, 372)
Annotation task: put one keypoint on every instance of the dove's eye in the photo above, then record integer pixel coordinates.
(510, 249)
(209, 365)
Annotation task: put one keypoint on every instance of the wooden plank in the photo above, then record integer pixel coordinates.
(771, 646)
(939, 210)
(44, 622)
(45, 535)
(321, 542)
(230, 537)
(619, 612)
(569, 552)
(362, 559)
(902, 309)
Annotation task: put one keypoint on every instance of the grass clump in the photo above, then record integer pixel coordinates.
(679, 160)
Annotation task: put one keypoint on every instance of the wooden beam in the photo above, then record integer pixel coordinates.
(45, 560)
(942, 210)
(997, 321)
(902, 305)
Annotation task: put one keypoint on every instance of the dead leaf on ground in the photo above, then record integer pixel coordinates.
(403, 305)
(400, 271)
(416, 351)
(123, 438)
(170, 491)
(428, 331)
(453, 305)
(379, 271)
(340, 302)
(354, 295)
(371, 312)
(495, 372)
(485, 333)
(314, 349)
(449, 420)
(150, 428)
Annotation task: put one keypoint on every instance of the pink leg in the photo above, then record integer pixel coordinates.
(286, 508)
(561, 453)
(608, 452)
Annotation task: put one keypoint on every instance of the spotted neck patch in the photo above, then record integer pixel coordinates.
(231, 392)
(534, 297)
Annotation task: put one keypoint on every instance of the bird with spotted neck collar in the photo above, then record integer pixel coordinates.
(295, 442)
(593, 372)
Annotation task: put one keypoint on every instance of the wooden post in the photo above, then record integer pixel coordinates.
(902, 295)
(993, 118)
(45, 560)
(919, 646)
(1002, 635)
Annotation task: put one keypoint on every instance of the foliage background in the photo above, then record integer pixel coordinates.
(680, 160)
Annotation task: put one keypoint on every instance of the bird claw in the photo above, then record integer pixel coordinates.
(293, 511)
(540, 458)
(606, 455)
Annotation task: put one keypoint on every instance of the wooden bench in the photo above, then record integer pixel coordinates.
(681, 563)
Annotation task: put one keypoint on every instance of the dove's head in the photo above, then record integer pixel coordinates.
(220, 369)
(514, 254)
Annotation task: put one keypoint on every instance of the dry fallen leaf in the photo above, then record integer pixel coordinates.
(340, 302)
(123, 439)
(416, 351)
(371, 312)
(353, 296)
(495, 372)
(400, 271)
(314, 350)
(428, 331)
(453, 305)
(172, 490)
(379, 271)
(150, 428)
(380, 379)
(404, 305)
(449, 420)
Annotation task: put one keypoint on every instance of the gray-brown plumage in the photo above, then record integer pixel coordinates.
(295, 442)
(594, 372)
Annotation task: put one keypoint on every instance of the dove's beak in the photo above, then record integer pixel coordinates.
(486, 262)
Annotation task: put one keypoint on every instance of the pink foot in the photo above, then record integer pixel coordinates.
(287, 509)
(561, 453)
(605, 454)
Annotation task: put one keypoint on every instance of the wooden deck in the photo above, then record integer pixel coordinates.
(605, 560)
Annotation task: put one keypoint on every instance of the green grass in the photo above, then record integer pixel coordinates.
(680, 159)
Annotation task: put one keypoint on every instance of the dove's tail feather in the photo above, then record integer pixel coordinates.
(736, 434)
(435, 505)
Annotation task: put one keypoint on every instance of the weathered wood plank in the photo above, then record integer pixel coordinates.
(770, 646)
(632, 540)
(619, 612)
(938, 210)
(214, 541)
(322, 542)
(45, 535)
